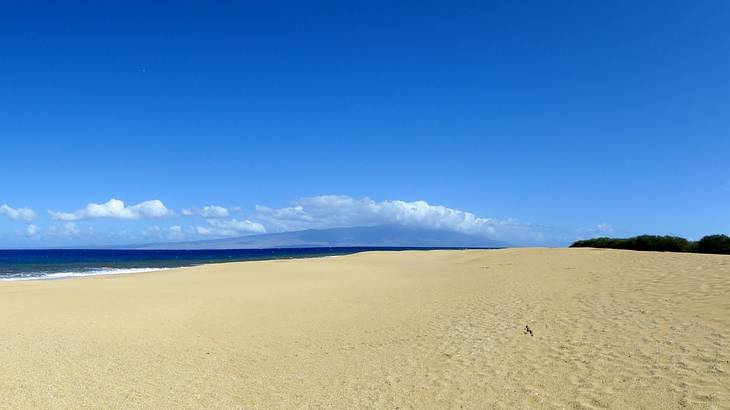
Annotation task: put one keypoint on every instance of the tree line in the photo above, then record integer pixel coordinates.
(718, 244)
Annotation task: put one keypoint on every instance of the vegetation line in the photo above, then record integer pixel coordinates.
(718, 244)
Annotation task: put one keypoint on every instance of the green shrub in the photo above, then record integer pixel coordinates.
(709, 244)
(714, 244)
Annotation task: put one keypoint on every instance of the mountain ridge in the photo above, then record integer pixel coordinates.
(396, 236)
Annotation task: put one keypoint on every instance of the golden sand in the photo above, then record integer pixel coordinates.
(436, 329)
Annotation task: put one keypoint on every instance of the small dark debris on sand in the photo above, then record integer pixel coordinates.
(528, 330)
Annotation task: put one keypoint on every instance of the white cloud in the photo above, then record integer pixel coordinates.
(18, 214)
(156, 232)
(115, 208)
(214, 211)
(202, 230)
(229, 227)
(66, 229)
(31, 230)
(175, 232)
(210, 211)
(69, 228)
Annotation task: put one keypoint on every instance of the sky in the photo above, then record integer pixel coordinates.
(532, 122)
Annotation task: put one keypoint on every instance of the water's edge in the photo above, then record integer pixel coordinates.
(45, 264)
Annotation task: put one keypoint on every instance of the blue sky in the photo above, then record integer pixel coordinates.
(539, 122)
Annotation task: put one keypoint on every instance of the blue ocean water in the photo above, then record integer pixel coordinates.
(62, 263)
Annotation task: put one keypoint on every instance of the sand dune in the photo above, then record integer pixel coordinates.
(437, 329)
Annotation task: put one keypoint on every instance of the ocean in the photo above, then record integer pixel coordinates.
(65, 263)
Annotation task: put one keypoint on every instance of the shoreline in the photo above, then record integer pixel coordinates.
(119, 263)
(138, 271)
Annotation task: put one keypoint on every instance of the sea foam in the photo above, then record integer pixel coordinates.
(63, 275)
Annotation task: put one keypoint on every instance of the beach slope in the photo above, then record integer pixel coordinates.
(416, 329)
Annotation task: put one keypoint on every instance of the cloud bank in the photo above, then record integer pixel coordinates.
(18, 214)
(317, 212)
(328, 211)
(115, 209)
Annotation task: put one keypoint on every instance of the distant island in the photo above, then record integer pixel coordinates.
(368, 236)
(717, 244)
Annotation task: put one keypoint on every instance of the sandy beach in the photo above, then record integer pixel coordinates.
(416, 329)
